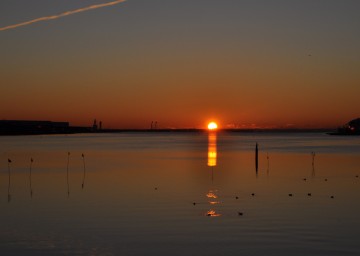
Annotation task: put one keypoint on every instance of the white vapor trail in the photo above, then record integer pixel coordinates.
(53, 17)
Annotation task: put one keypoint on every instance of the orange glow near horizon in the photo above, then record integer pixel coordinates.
(212, 126)
(129, 81)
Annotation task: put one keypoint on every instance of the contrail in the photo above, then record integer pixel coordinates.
(53, 17)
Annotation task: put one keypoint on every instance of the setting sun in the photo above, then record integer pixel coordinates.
(212, 126)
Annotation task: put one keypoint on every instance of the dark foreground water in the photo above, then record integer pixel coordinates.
(180, 194)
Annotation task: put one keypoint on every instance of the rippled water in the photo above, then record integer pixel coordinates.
(180, 194)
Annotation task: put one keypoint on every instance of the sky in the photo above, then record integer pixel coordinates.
(182, 63)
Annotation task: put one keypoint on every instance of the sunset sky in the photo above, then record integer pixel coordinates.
(182, 63)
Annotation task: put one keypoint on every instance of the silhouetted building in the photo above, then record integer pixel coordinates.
(95, 127)
(19, 127)
(352, 127)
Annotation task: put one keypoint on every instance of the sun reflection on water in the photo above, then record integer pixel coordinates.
(212, 152)
(212, 213)
(211, 195)
(212, 162)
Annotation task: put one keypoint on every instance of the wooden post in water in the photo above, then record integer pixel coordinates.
(31, 191)
(256, 158)
(268, 163)
(313, 164)
(9, 196)
(67, 174)
(313, 158)
(83, 183)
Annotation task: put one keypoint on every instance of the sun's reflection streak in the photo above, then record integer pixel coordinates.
(212, 213)
(212, 152)
(211, 194)
(212, 197)
(212, 162)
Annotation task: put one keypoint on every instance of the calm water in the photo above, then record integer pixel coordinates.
(180, 194)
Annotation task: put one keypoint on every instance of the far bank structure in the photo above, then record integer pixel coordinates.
(31, 127)
(350, 128)
(27, 127)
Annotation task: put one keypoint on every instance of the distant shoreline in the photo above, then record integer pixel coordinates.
(37, 127)
(107, 131)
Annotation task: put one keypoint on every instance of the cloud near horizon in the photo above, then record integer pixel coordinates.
(67, 13)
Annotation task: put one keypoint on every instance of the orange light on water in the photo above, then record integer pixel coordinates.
(211, 195)
(212, 152)
(212, 126)
(212, 213)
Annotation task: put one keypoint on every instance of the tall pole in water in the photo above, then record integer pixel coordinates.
(268, 163)
(9, 196)
(83, 157)
(256, 157)
(31, 191)
(67, 174)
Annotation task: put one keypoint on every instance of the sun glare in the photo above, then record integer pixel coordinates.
(212, 126)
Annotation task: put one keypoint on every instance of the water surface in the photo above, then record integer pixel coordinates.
(180, 194)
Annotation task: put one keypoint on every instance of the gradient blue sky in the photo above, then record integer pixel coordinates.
(182, 63)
